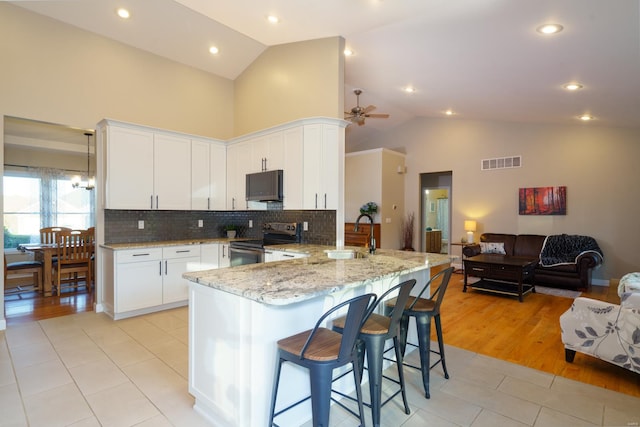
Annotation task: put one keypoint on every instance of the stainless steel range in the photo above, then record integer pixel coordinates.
(243, 252)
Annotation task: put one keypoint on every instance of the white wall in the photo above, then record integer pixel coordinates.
(598, 165)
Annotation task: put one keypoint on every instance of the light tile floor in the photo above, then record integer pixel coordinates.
(87, 370)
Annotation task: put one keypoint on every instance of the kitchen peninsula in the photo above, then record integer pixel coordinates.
(237, 314)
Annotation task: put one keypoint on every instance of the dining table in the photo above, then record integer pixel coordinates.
(44, 252)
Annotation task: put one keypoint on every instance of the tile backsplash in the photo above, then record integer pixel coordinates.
(121, 226)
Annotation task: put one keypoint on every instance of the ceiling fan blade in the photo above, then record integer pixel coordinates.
(378, 116)
(369, 108)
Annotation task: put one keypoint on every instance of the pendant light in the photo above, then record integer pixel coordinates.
(91, 182)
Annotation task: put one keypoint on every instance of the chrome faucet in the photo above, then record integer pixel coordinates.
(372, 240)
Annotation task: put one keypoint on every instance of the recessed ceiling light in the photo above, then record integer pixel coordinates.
(409, 89)
(549, 28)
(348, 52)
(449, 112)
(273, 19)
(123, 13)
(586, 117)
(214, 50)
(573, 86)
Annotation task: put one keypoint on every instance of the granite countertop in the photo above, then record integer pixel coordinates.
(137, 245)
(291, 281)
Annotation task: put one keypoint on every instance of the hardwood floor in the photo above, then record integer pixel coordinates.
(526, 333)
(30, 306)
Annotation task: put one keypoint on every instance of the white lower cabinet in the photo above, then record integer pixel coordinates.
(144, 280)
(224, 260)
(177, 260)
(271, 256)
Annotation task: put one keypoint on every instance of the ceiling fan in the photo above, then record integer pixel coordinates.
(358, 113)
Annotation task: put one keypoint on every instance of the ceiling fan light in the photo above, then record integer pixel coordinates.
(273, 19)
(586, 117)
(214, 50)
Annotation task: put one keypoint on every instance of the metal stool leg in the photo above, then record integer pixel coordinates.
(423, 324)
(399, 363)
(441, 345)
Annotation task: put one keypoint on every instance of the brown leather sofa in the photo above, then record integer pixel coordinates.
(569, 276)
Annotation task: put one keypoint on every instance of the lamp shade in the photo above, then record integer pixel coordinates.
(470, 225)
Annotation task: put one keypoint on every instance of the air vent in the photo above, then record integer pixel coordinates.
(501, 163)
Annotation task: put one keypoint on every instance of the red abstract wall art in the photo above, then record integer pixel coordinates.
(543, 201)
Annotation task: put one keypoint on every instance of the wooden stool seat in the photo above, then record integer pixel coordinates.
(324, 347)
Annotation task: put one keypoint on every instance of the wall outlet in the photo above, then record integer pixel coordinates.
(250, 223)
(305, 226)
(200, 223)
(141, 224)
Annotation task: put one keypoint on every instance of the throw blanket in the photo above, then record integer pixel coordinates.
(563, 249)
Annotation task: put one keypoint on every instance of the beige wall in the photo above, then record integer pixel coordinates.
(598, 165)
(57, 73)
(291, 81)
(372, 176)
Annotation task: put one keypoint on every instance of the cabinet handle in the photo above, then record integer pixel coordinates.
(208, 203)
(325, 200)
(147, 254)
(223, 251)
(165, 267)
(160, 265)
(151, 200)
(287, 256)
(157, 204)
(184, 251)
(316, 200)
(233, 203)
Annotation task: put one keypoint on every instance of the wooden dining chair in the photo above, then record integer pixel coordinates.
(21, 268)
(75, 249)
(48, 234)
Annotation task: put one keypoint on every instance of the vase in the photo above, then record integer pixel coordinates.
(231, 234)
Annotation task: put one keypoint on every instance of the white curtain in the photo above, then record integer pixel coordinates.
(48, 194)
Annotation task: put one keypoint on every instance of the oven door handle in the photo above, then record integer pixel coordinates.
(245, 251)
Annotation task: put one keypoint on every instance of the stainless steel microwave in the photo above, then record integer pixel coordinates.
(265, 186)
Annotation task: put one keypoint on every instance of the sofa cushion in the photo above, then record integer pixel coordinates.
(528, 245)
(509, 240)
(492, 248)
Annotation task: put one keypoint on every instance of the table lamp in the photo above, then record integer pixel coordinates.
(470, 227)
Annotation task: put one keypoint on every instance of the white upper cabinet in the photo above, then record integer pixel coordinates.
(238, 163)
(267, 152)
(129, 168)
(208, 175)
(171, 172)
(321, 167)
(146, 169)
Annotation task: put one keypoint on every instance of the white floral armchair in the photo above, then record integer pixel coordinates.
(604, 330)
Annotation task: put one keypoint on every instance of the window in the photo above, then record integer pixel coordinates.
(32, 202)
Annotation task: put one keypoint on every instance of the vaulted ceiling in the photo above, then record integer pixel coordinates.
(479, 59)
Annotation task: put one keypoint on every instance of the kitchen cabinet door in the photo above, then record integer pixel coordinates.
(224, 260)
(238, 160)
(172, 172)
(138, 279)
(321, 167)
(292, 186)
(129, 169)
(209, 256)
(200, 175)
(208, 175)
(177, 261)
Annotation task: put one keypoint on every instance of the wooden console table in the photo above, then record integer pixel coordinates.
(501, 274)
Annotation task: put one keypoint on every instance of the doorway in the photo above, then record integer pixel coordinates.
(41, 161)
(435, 218)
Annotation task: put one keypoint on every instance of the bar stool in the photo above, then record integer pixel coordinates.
(321, 350)
(423, 309)
(376, 330)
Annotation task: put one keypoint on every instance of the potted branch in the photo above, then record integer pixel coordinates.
(407, 232)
